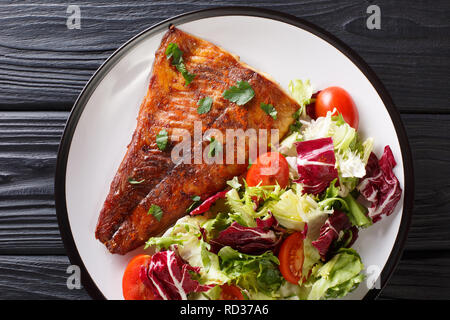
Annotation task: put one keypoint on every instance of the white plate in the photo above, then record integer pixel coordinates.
(104, 117)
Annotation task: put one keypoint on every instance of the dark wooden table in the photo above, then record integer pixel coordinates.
(44, 65)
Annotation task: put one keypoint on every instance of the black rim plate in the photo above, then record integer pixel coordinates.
(77, 110)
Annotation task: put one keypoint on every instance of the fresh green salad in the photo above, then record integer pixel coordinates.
(286, 234)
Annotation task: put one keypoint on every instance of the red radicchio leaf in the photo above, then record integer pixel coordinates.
(169, 278)
(316, 164)
(329, 232)
(311, 107)
(380, 186)
(208, 203)
(267, 223)
(248, 240)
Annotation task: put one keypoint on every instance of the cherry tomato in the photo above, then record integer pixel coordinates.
(336, 97)
(132, 286)
(269, 168)
(230, 292)
(291, 257)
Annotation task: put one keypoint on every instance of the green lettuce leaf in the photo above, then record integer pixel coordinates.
(293, 210)
(234, 183)
(213, 294)
(347, 185)
(339, 276)
(258, 273)
(242, 208)
(164, 242)
(214, 226)
(330, 198)
(311, 257)
(301, 91)
(357, 213)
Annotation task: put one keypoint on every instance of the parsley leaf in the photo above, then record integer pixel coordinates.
(269, 109)
(174, 52)
(188, 77)
(161, 139)
(204, 105)
(132, 181)
(296, 114)
(240, 94)
(215, 147)
(155, 211)
(297, 124)
(196, 199)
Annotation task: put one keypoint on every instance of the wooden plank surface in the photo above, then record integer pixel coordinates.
(44, 65)
(420, 275)
(36, 277)
(28, 146)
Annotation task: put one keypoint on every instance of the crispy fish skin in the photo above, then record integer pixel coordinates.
(173, 193)
(168, 104)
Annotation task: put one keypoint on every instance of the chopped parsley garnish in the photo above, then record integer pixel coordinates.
(155, 211)
(161, 139)
(297, 124)
(240, 94)
(188, 77)
(204, 105)
(174, 52)
(132, 181)
(269, 109)
(196, 199)
(215, 147)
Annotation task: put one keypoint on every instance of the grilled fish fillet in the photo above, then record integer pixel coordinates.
(124, 223)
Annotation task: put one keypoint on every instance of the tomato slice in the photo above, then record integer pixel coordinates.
(230, 292)
(269, 168)
(336, 97)
(291, 257)
(132, 286)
